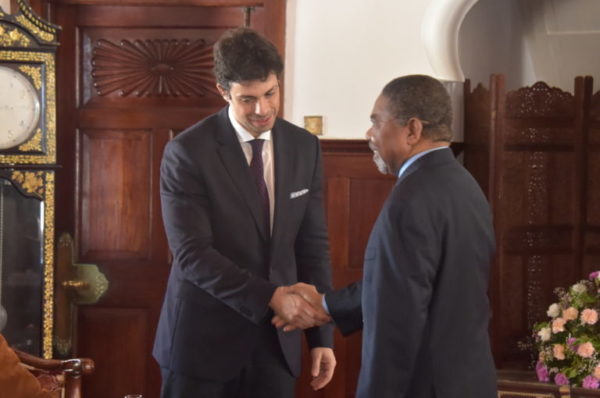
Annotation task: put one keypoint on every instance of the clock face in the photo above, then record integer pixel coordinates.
(19, 108)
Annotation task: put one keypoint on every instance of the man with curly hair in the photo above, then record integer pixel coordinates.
(242, 202)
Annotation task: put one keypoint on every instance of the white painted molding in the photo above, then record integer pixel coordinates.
(439, 32)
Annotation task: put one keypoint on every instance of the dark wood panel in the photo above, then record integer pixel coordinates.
(366, 199)
(355, 192)
(149, 117)
(144, 16)
(125, 331)
(115, 194)
(337, 193)
(174, 3)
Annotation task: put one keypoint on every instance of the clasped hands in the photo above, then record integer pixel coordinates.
(298, 307)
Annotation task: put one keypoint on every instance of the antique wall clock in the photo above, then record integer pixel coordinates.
(27, 165)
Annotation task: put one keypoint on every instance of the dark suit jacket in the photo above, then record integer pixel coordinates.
(425, 309)
(225, 268)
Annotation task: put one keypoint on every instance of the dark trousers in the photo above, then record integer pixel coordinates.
(265, 376)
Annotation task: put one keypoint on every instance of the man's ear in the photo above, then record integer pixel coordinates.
(415, 130)
(224, 93)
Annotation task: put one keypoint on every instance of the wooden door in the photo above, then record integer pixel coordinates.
(130, 77)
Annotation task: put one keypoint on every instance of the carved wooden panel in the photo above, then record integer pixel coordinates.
(115, 194)
(593, 200)
(163, 55)
(539, 100)
(592, 233)
(153, 68)
(539, 188)
(123, 330)
(539, 213)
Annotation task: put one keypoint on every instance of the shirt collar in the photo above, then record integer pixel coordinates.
(414, 158)
(243, 134)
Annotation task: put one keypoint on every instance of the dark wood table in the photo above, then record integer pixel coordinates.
(524, 384)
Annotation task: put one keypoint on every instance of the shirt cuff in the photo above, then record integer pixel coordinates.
(324, 303)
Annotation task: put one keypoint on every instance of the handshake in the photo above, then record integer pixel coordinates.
(298, 307)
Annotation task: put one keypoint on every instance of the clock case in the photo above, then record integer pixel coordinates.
(28, 45)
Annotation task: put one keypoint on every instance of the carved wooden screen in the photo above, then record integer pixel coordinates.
(533, 152)
(591, 245)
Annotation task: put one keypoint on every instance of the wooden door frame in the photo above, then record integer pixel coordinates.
(274, 11)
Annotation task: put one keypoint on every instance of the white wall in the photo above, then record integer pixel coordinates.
(340, 54)
(492, 40)
(564, 39)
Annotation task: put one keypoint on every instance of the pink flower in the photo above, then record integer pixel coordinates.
(594, 275)
(559, 351)
(589, 316)
(558, 325)
(570, 314)
(591, 383)
(542, 372)
(560, 379)
(585, 350)
(597, 372)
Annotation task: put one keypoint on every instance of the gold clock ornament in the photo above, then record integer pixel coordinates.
(27, 88)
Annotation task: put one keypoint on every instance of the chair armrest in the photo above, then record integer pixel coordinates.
(73, 367)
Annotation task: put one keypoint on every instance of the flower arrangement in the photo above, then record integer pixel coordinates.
(569, 343)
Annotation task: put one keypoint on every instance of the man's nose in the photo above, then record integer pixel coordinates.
(261, 106)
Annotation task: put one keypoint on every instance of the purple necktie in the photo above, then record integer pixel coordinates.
(257, 170)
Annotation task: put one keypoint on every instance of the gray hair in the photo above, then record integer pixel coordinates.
(422, 97)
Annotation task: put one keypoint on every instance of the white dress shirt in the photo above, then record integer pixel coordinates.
(267, 155)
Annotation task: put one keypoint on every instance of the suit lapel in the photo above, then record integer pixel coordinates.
(284, 157)
(235, 163)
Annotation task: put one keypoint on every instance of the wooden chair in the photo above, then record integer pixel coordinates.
(63, 375)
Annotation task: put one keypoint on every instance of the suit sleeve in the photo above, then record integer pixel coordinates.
(312, 249)
(399, 282)
(345, 307)
(186, 215)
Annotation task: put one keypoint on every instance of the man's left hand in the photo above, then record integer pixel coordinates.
(323, 365)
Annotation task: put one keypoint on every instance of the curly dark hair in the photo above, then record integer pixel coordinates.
(242, 54)
(425, 98)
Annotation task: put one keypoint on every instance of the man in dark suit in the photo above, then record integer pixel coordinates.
(422, 302)
(242, 202)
